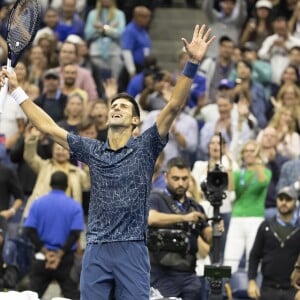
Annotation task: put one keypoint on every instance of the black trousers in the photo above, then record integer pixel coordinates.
(40, 277)
(273, 293)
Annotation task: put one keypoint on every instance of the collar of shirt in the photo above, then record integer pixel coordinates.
(128, 145)
(294, 222)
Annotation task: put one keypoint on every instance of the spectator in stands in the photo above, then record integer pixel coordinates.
(294, 55)
(25, 174)
(69, 75)
(53, 225)
(288, 139)
(261, 71)
(228, 164)
(104, 27)
(49, 46)
(158, 178)
(183, 138)
(137, 82)
(268, 141)
(11, 201)
(255, 91)
(36, 64)
(250, 185)
(135, 44)
(235, 129)
(289, 97)
(275, 47)
(217, 68)
(71, 20)
(290, 175)
(80, 7)
(259, 26)
(68, 54)
(229, 19)
(284, 8)
(53, 101)
(22, 74)
(157, 91)
(277, 239)
(44, 168)
(290, 75)
(99, 114)
(74, 113)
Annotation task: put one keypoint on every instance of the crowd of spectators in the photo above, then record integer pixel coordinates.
(247, 88)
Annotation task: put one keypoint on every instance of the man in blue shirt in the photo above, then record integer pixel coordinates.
(121, 170)
(53, 225)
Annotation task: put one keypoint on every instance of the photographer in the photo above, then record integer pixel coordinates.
(178, 231)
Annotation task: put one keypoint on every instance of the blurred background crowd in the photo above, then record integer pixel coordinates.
(247, 88)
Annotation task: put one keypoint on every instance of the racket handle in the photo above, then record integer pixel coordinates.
(4, 89)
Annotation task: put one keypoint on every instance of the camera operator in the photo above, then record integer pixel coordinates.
(178, 231)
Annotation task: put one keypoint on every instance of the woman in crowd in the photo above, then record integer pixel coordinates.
(288, 139)
(250, 185)
(74, 112)
(201, 168)
(258, 27)
(103, 30)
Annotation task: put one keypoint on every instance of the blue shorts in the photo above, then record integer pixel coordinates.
(119, 268)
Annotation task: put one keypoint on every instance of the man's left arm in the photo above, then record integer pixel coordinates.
(196, 50)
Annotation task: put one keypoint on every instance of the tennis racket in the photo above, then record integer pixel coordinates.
(22, 25)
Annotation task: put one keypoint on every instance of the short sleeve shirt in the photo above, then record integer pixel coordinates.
(121, 183)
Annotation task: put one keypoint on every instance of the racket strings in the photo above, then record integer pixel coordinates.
(23, 25)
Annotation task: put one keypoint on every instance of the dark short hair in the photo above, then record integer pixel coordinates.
(136, 111)
(225, 38)
(246, 63)
(59, 181)
(177, 162)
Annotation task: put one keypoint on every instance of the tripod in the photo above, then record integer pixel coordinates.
(215, 272)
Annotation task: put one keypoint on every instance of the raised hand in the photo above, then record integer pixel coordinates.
(201, 40)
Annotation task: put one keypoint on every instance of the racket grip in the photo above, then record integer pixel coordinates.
(4, 89)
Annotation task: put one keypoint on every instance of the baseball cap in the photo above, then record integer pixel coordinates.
(263, 4)
(74, 39)
(226, 84)
(288, 191)
(51, 73)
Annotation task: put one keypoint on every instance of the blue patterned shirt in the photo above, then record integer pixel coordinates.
(121, 183)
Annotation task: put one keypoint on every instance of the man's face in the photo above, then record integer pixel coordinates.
(281, 27)
(69, 7)
(295, 57)
(224, 107)
(51, 18)
(178, 181)
(285, 204)
(226, 49)
(269, 139)
(69, 75)
(51, 84)
(121, 114)
(67, 54)
(227, 6)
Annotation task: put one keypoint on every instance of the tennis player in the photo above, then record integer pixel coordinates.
(121, 169)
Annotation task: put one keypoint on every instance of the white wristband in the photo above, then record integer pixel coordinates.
(19, 95)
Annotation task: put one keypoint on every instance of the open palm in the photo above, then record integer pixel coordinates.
(199, 44)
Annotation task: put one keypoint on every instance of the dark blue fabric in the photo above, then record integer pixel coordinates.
(121, 183)
(120, 268)
(136, 39)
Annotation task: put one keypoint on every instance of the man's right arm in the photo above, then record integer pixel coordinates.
(35, 114)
